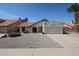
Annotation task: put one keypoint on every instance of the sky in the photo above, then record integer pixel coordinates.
(36, 11)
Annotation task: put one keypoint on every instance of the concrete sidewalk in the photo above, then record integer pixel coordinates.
(40, 52)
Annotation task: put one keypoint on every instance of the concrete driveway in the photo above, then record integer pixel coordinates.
(29, 41)
(66, 40)
(41, 45)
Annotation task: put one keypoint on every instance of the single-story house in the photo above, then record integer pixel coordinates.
(42, 26)
(9, 25)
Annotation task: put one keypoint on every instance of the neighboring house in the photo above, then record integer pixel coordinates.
(69, 27)
(42, 26)
(9, 25)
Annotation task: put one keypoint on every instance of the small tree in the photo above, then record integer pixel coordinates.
(75, 9)
(26, 19)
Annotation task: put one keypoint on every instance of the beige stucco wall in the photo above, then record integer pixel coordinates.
(3, 30)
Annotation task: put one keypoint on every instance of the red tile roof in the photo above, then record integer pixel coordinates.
(8, 22)
(26, 24)
(69, 25)
(29, 24)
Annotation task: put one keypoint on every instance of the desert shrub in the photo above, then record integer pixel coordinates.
(25, 32)
(43, 33)
(65, 31)
(14, 34)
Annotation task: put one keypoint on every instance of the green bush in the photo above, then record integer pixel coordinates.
(14, 34)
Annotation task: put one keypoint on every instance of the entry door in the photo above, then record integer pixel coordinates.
(23, 29)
